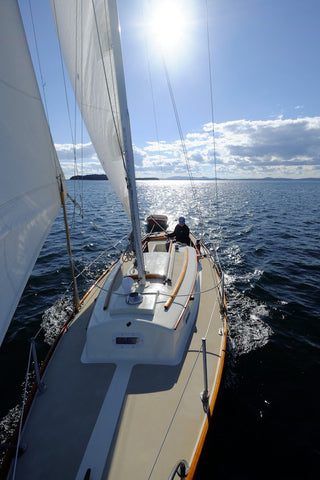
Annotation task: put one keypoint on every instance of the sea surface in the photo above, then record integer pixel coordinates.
(267, 236)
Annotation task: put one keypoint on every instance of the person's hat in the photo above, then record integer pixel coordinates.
(182, 220)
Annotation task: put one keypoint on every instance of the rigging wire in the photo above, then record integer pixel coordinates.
(176, 114)
(71, 123)
(182, 139)
(43, 83)
(178, 122)
(39, 63)
(152, 92)
(213, 124)
(83, 214)
(65, 83)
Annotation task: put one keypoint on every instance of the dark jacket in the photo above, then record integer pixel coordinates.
(181, 232)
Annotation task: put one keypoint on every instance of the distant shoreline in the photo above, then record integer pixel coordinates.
(95, 176)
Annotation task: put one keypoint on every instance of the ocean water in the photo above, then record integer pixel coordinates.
(267, 236)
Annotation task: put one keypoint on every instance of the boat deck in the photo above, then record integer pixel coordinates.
(161, 416)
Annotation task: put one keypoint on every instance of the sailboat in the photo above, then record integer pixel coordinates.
(129, 387)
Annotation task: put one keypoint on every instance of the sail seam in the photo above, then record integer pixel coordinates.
(23, 92)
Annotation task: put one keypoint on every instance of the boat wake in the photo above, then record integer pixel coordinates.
(248, 329)
(52, 321)
(55, 317)
(8, 425)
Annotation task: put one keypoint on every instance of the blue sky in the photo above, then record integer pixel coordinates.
(266, 75)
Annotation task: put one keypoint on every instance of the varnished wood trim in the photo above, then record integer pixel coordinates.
(176, 288)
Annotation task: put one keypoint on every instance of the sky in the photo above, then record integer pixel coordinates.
(264, 68)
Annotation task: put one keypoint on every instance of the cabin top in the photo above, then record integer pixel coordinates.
(144, 323)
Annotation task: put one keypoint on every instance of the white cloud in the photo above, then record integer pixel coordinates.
(274, 147)
(240, 149)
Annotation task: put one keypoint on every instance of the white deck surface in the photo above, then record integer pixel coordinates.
(151, 418)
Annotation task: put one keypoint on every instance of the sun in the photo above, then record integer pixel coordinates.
(169, 24)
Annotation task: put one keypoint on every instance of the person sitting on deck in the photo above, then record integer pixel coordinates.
(181, 232)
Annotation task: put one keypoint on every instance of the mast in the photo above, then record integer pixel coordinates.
(127, 141)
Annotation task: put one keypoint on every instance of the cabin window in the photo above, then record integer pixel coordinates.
(127, 340)
(123, 340)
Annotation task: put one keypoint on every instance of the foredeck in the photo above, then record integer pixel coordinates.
(162, 416)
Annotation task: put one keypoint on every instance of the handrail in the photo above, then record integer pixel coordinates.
(181, 468)
(167, 305)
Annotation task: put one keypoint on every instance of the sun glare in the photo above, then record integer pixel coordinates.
(169, 25)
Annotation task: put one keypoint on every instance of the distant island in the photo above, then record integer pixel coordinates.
(147, 178)
(92, 176)
(102, 176)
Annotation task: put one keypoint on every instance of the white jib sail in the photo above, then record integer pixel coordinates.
(84, 33)
(30, 172)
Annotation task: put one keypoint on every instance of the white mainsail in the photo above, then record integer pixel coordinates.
(84, 33)
(30, 171)
(88, 34)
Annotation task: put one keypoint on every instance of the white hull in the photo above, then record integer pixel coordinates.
(128, 417)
